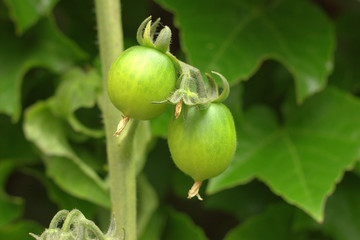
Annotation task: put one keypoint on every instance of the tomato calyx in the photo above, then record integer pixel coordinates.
(146, 37)
(192, 90)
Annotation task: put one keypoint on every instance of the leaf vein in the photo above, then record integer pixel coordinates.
(297, 163)
(232, 36)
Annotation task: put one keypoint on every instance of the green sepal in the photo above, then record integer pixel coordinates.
(199, 82)
(191, 99)
(139, 35)
(58, 218)
(176, 97)
(162, 42)
(147, 36)
(154, 27)
(175, 61)
(226, 88)
(185, 81)
(212, 91)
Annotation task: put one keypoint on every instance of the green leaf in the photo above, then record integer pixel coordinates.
(274, 224)
(78, 24)
(44, 46)
(70, 172)
(179, 226)
(46, 131)
(356, 169)
(20, 230)
(25, 13)
(154, 228)
(234, 102)
(238, 36)
(147, 203)
(342, 213)
(73, 179)
(78, 89)
(270, 85)
(242, 201)
(15, 152)
(346, 72)
(10, 207)
(19, 153)
(302, 160)
(62, 199)
(80, 127)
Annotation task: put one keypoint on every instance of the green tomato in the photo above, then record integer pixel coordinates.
(202, 142)
(139, 76)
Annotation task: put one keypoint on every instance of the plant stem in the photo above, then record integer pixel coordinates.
(119, 151)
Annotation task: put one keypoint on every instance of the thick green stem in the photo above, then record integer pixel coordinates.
(121, 166)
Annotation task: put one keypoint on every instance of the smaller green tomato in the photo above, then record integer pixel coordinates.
(202, 142)
(139, 76)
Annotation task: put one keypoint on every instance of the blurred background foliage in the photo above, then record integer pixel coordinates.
(295, 174)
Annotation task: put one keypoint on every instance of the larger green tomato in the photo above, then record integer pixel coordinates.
(139, 76)
(202, 142)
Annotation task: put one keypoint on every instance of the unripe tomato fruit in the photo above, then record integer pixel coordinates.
(139, 76)
(202, 142)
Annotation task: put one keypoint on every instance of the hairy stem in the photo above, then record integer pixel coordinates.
(121, 166)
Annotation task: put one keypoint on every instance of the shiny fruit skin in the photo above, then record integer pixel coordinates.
(202, 142)
(139, 76)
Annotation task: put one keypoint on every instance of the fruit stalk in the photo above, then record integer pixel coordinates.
(121, 165)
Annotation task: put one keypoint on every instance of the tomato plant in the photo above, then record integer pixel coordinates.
(292, 116)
